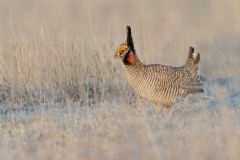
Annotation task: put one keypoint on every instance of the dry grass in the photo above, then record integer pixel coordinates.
(63, 96)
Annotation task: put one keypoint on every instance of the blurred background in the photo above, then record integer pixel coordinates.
(162, 30)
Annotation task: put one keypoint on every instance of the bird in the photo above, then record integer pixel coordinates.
(160, 84)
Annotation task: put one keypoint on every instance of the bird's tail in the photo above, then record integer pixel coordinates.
(193, 59)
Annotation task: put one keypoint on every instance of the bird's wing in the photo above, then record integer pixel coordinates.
(174, 76)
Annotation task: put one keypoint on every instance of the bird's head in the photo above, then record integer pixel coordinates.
(122, 50)
(126, 51)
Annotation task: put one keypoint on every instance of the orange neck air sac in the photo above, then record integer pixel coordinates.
(132, 59)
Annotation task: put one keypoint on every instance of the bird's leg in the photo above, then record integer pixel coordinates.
(139, 103)
(159, 109)
(168, 110)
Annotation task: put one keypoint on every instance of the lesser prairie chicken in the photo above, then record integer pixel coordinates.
(158, 83)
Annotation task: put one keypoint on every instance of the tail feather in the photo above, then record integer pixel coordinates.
(195, 91)
(192, 63)
(192, 59)
(193, 86)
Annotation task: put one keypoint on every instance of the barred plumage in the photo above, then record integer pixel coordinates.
(159, 83)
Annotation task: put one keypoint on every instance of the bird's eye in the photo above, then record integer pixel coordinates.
(122, 51)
